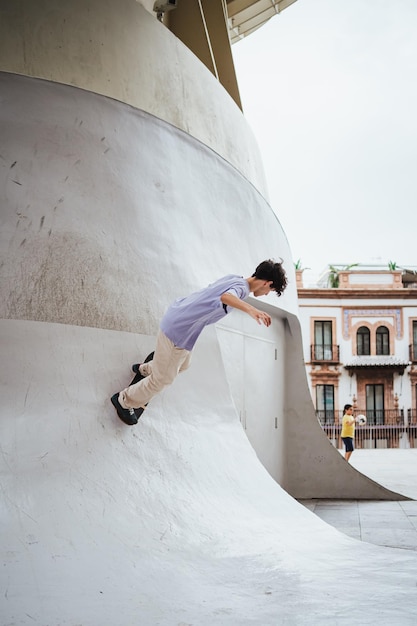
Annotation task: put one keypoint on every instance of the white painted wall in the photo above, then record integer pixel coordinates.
(254, 364)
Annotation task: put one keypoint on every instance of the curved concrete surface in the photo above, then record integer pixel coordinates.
(171, 522)
(108, 214)
(119, 49)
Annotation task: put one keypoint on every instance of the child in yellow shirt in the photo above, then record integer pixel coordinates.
(348, 430)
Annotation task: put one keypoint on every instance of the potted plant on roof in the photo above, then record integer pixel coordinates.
(333, 278)
(299, 269)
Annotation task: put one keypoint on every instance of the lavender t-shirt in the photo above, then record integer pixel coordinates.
(186, 317)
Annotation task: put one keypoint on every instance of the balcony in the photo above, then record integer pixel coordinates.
(320, 353)
(412, 350)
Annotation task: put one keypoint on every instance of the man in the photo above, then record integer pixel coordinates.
(348, 430)
(181, 326)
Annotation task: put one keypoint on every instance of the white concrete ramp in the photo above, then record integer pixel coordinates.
(173, 522)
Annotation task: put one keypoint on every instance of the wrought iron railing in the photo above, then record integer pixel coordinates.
(374, 417)
(411, 416)
(329, 416)
(324, 352)
(378, 436)
(392, 432)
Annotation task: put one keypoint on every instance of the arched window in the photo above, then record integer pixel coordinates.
(382, 340)
(363, 341)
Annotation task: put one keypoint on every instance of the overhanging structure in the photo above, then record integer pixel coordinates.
(246, 16)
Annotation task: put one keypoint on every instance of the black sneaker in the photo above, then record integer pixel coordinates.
(128, 416)
(135, 369)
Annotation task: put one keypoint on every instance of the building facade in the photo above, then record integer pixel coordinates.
(360, 347)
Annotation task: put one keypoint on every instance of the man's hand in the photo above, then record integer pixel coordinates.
(260, 316)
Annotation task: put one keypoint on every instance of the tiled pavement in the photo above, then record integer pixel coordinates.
(383, 523)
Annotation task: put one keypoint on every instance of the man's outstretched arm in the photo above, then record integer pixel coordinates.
(262, 318)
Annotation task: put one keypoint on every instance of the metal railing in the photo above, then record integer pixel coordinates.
(324, 352)
(374, 437)
(393, 432)
(329, 416)
(411, 416)
(373, 417)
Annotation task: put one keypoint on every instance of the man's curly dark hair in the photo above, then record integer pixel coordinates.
(271, 270)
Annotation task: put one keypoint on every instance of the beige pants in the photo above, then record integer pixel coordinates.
(167, 363)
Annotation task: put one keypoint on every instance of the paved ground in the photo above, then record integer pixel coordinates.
(391, 524)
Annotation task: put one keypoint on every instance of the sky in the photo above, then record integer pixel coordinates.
(329, 89)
